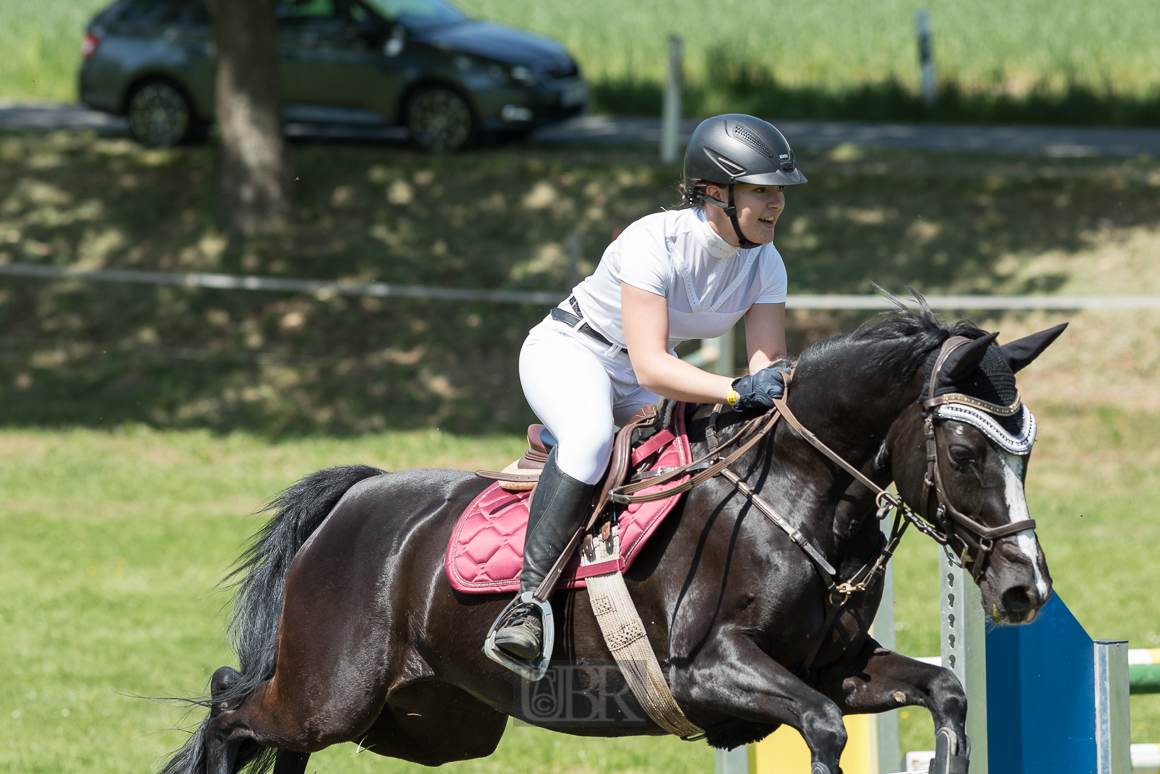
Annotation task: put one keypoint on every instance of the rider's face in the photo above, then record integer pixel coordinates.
(758, 208)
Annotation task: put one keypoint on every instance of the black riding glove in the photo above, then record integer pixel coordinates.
(760, 389)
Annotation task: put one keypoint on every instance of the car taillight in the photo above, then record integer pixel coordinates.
(89, 44)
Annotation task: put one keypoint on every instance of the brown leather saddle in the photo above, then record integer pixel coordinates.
(524, 473)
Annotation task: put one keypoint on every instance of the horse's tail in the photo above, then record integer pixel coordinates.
(260, 579)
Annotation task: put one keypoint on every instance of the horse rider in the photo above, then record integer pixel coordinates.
(607, 350)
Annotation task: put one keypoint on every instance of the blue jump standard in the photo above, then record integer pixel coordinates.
(1041, 686)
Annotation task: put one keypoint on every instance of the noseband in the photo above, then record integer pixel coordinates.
(976, 540)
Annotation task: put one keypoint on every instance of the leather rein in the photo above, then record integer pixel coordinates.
(950, 524)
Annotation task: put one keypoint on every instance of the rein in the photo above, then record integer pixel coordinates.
(950, 523)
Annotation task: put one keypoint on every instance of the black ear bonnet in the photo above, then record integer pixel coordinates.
(976, 384)
(991, 381)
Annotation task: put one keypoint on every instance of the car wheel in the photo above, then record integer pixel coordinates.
(160, 115)
(440, 120)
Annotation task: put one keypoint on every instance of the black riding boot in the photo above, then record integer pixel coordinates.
(559, 505)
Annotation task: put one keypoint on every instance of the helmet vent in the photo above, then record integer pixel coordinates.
(742, 133)
(730, 167)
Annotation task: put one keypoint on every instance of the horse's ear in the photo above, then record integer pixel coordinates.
(964, 359)
(1020, 353)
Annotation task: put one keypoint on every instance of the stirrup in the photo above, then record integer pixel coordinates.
(529, 670)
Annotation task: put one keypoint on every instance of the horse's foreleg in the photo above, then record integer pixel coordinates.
(290, 762)
(880, 680)
(735, 679)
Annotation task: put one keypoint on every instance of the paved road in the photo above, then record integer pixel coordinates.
(1052, 141)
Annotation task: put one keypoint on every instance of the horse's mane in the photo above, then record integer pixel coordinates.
(917, 333)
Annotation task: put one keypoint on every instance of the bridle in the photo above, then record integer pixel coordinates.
(976, 540)
(947, 526)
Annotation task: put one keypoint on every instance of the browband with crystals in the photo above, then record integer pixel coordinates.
(1013, 444)
(990, 408)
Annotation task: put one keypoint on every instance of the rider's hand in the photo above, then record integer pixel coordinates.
(760, 389)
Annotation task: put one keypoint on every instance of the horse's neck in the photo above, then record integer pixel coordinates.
(852, 416)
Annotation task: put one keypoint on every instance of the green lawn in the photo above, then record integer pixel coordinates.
(113, 544)
(114, 541)
(1039, 60)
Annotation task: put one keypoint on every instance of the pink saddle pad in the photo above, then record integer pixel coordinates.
(486, 551)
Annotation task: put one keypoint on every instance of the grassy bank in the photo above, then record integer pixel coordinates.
(98, 355)
(1038, 61)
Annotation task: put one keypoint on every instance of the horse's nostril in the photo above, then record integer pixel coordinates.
(1020, 598)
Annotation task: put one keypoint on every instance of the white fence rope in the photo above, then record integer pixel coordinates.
(543, 297)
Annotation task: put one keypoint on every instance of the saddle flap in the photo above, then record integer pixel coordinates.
(485, 550)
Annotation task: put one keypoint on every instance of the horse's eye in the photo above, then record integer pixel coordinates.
(961, 453)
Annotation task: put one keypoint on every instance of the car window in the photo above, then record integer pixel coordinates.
(418, 13)
(298, 11)
(165, 11)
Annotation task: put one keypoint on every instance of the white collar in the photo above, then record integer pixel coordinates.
(711, 240)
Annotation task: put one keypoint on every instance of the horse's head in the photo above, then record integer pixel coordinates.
(960, 458)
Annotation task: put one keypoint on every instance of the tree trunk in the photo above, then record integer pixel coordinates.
(253, 182)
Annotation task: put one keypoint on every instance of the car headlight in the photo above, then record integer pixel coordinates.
(524, 75)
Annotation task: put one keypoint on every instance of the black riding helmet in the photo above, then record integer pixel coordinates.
(736, 148)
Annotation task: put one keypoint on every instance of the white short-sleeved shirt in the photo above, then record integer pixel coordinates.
(709, 284)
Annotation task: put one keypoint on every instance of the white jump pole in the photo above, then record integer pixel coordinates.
(964, 649)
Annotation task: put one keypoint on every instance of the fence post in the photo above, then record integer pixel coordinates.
(671, 112)
(926, 58)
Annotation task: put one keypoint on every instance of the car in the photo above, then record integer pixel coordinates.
(420, 64)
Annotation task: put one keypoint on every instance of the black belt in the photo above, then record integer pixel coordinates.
(576, 322)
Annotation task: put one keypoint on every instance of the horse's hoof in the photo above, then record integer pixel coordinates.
(946, 754)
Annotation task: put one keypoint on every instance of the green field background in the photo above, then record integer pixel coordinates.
(828, 46)
(114, 541)
(142, 427)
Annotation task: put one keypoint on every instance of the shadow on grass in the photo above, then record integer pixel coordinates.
(96, 354)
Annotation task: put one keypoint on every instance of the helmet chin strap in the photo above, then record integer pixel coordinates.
(730, 209)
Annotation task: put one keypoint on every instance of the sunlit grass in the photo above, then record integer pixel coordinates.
(113, 545)
(114, 541)
(1094, 56)
(835, 44)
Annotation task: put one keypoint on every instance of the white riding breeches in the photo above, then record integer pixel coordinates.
(580, 389)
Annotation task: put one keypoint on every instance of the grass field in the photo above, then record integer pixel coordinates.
(114, 541)
(142, 426)
(1067, 61)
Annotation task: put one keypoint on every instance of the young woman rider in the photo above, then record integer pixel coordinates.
(608, 349)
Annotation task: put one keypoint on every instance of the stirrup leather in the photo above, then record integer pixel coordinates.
(529, 670)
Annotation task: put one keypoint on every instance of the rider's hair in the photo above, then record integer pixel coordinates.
(696, 197)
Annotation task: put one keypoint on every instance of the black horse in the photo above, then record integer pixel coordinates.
(347, 629)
